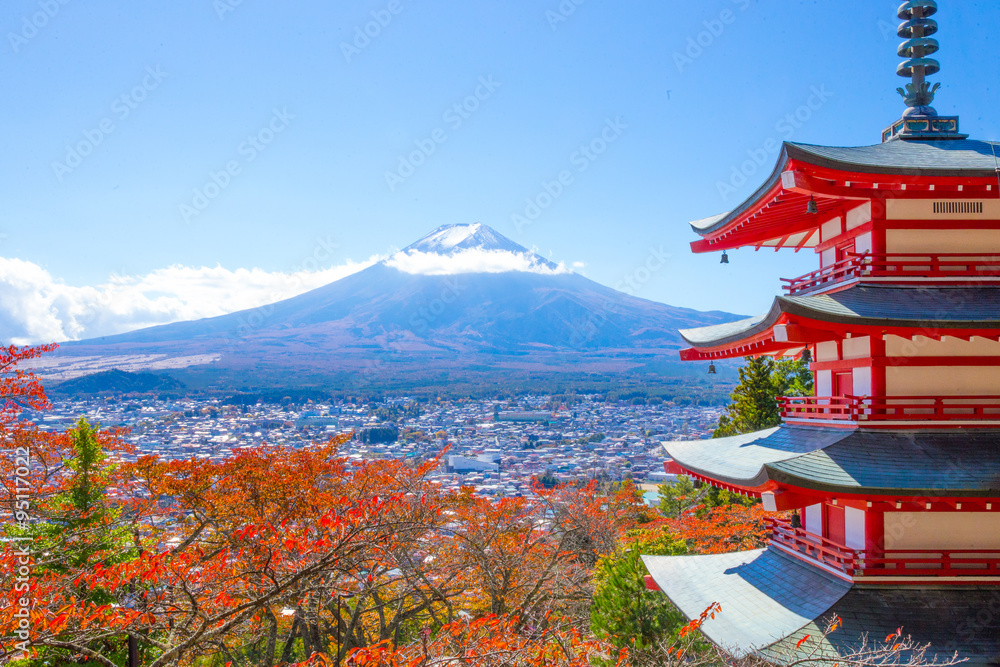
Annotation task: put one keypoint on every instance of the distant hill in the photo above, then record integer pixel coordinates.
(463, 303)
(118, 382)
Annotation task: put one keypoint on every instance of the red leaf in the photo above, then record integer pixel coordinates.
(802, 641)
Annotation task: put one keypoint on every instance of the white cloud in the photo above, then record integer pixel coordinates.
(37, 308)
(472, 260)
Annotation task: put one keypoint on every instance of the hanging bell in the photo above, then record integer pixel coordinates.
(711, 369)
(812, 207)
(807, 356)
(725, 258)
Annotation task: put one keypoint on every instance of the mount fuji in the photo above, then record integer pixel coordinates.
(463, 299)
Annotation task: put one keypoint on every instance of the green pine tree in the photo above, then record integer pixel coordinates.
(753, 404)
(793, 377)
(623, 610)
(82, 527)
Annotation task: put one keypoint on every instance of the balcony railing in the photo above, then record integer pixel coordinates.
(943, 268)
(909, 563)
(892, 408)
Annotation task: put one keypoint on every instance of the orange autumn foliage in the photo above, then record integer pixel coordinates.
(722, 529)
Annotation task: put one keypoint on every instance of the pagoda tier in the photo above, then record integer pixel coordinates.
(859, 190)
(884, 356)
(901, 507)
(794, 322)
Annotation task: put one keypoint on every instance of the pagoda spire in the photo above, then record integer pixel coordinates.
(917, 28)
(920, 121)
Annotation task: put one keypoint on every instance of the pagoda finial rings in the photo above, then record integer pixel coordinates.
(906, 28)
(928, 45)
(905, 11)
(930, 66)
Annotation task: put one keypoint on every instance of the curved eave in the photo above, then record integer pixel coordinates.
(742, 461)
(773, 603)
(771, 187)
(720, 335)
(765, 595)
(899, 310)
(775, 214)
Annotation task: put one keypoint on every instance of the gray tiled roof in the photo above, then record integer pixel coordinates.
(741, 459)
(951, 619)
(914, 158)
(951, 157)
(770, 601)
(877, 462)
(869, 305)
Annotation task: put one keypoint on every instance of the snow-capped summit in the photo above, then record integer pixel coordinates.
(448, 239)
(475, 248)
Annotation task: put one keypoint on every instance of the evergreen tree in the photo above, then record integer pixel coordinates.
(753, 404)
(623, 610)
(793, 377)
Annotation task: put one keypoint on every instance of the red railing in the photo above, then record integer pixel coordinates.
(901, 267)
(820, 407)
(841, 271)
(892, 408)
(814, 547)
(909, 563)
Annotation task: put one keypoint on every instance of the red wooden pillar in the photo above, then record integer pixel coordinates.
(878, 365)
(875, 533)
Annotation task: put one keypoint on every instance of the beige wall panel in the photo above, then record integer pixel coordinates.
(921, 346)
(985, 241)
(942, 380)
(942, 530)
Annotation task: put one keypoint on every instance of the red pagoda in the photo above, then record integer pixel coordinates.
(892, 470)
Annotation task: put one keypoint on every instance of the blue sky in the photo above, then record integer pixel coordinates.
(308, 119)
